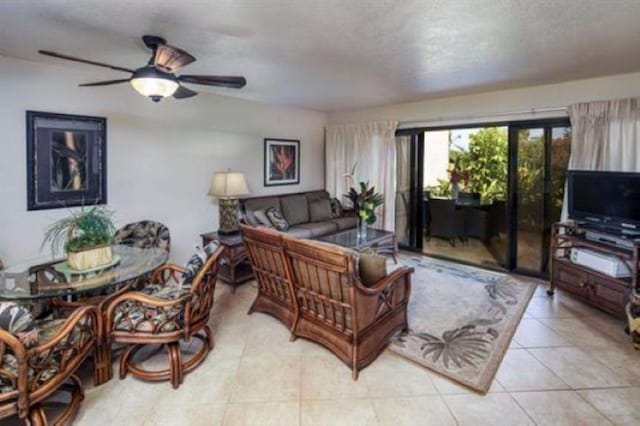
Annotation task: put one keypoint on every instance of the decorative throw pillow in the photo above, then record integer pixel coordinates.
(373, 267)
(249, 218)
(336, 208)
(277, 220)
(320, 210)
(262, 219)
(17, 320)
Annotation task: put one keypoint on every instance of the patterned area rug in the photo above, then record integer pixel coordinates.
(461, 319)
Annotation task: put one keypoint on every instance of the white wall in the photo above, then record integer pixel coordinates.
(160, 156)
(440, 111)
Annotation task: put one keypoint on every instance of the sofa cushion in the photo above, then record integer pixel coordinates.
(320, 210)
(262, 203)
(319, 229)
(295, 209)
(373, 267)
(316, 195)
(276, 219)
(262, 219)
(299, 232)
(346, 222)
(336, 208)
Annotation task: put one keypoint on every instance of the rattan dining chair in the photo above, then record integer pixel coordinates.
(175, 307)
(39, 358)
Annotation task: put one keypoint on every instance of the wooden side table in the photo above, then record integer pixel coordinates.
(235, 267)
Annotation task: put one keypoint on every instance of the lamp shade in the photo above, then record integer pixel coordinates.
(228, 184)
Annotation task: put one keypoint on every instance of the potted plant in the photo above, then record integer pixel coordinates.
(86, 236)
(364, 201)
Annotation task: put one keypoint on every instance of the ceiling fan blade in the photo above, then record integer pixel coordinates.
(84, 61)
(105, 83)
(214, 80)
(169, 58)
(183, 93)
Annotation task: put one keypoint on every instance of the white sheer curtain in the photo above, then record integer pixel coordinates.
(605, 135)
(372, 145)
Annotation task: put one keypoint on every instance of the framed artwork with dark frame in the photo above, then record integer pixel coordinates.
(281, 162)
(66, 160)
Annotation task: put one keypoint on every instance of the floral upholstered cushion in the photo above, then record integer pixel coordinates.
(197, 261)
(144, 234)
(17, 320)
(9, 373)
(134, 316)
(50, 362)
(277, 220)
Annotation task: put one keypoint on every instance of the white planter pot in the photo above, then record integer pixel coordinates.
(89, 259)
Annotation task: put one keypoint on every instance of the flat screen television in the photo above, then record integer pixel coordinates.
(610, 200)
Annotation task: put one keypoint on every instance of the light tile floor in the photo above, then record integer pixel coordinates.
(568, 364)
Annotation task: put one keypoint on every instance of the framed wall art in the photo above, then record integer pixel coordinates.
(66, 160)
(281, 162)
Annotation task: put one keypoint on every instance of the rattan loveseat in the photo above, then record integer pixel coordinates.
(315, 289)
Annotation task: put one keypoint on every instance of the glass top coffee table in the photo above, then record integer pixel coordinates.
(383, 242)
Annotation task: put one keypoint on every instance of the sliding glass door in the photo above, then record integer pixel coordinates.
(409, 209)
(482, 194)
(538, 167)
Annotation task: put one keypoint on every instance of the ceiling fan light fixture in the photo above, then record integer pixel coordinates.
(153, 83)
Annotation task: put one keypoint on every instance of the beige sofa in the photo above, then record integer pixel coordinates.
(296, 210)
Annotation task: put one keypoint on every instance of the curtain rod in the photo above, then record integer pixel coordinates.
(444, 119)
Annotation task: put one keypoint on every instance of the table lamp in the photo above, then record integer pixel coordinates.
(227, 187)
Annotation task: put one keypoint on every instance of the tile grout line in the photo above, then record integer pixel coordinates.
(594, 407)
(522, 408)
(453, 416)
(548, 369)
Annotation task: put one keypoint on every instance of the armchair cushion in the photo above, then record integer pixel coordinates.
(48, 363)
(144, 234)
(17, 320)
(196, 262)
(138, 317)
(9, 367)
(373, 267)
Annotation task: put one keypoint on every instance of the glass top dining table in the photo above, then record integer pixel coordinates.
(35, 279)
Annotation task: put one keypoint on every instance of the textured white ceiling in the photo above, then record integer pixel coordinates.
(340, 54)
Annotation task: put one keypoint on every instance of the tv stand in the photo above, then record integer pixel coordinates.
(618, 296)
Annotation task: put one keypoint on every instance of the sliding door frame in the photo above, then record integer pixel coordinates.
(416, 206)
(547, 125)
(512, 183)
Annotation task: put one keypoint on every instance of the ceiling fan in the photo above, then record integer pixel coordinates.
(157, 79)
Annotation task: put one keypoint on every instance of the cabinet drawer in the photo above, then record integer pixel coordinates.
(569, 278)
(609, 296)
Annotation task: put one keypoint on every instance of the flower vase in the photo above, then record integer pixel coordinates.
(362, 230)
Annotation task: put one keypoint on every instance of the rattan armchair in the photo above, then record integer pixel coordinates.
(35, 367)
(166, 312)
(336, 310)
